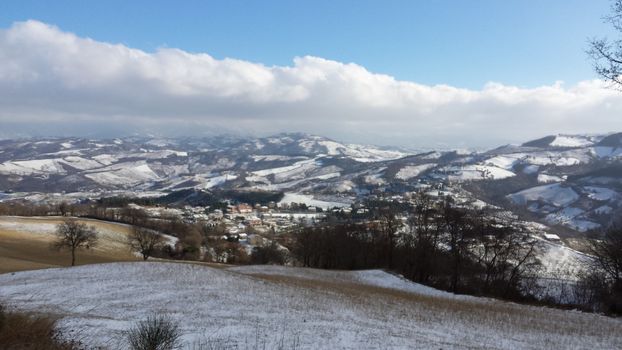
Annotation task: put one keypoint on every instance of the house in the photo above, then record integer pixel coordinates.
(216, 214)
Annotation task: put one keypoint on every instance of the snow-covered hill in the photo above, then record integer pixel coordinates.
(268, 307)
(583, 170)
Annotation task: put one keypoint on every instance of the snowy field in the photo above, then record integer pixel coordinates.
(309, 200)
(263, 307)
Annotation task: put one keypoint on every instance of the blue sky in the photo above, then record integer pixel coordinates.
(525, 43)
(410, 73)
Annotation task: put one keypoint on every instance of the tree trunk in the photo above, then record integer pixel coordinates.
(73, 257)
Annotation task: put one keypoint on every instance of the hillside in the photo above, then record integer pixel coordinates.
(25, 244)
(268, 307)
(572, 182)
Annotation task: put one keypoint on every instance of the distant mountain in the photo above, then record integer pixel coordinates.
(570, 181)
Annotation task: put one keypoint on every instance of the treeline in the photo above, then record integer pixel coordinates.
(600, 289)
(251, 197)
(217, 199)
(440, 245)
(196, 241)
(191, 237)
(461, 250)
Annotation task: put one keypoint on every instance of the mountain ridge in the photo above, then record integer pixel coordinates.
(311, 165)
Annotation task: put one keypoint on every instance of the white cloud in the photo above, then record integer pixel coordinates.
(52, 80)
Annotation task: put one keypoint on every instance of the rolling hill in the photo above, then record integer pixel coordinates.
(279, 307)
(25, 244)
(573, 182)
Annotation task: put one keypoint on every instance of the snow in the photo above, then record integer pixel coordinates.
(559, 261)
(573, 218)
(111, 235)
(583, 225)
(554, 194)
(410, 171)
(304, 164)
(432, 155)
(604, 210)
(105, 159)
(551, 237)
(375, 179)
(545, 178)
(290, 197)
(272, 157)
(35, 166)
(366, 154)
(531, 169)
(123, 174)
(67, 152)
(563, 216)
(600, 193)
(506, 161)
(602, 152)
(478, 172)
(333, 148)
(82, 163)
(219, 180)
(570, 141)
(344, 186)
(376, 278)
(308, 172)
(47, 166)
(315, 309)
(359, 153)
(565, 158)
(38, 230)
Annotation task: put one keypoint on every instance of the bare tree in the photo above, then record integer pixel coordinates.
(389, 225)
(606, 54)
(145, 241)
(608, 261)
(63, 208)
(74, 235)
(608, 254)
(424, 239)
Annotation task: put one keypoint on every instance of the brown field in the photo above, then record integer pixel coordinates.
(498, 316)
(25, 244)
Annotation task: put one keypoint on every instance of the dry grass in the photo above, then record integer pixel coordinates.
(22, 249)
(22, 331)
(502, 317)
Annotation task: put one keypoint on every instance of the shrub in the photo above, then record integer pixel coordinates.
(29, 332)
(2, 317)
(155, 333)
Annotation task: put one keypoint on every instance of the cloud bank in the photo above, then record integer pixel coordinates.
(56, 82)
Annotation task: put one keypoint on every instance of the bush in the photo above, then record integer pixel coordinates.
(29, 332)
(2, 317)
(155, 333)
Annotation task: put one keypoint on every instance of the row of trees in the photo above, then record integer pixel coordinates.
(442, 245)
(602, 285)
(73, 235)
